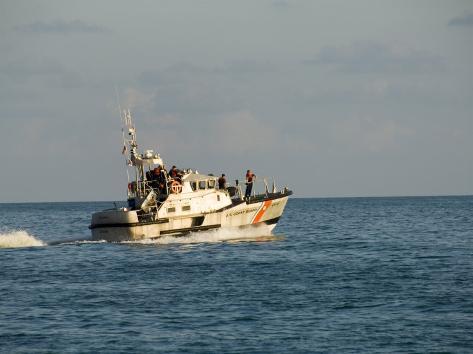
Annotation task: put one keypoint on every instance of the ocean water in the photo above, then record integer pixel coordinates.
(354, 275)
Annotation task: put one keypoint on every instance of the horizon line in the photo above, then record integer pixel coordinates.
(298, 197)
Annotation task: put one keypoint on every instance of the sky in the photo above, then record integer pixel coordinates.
(332, 98)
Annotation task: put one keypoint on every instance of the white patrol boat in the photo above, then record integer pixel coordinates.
(159, 204)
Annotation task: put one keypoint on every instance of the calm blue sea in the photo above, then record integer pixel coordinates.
(354, 275)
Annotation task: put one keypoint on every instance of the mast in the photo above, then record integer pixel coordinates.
(129, 143)
(134, 159)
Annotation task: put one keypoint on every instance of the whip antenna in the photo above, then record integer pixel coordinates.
(124, 149)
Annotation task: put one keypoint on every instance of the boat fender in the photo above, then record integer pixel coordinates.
(176, 187)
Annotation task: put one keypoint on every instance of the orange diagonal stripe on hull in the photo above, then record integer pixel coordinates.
(261, 212)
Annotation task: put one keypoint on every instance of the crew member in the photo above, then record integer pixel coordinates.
(250, 176)
(175, 173)
(151, 178)
(222, 182)
(155, 179)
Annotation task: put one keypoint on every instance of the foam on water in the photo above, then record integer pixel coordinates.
(21, 239)
(73, 241)
(17, 239)
(259, 233)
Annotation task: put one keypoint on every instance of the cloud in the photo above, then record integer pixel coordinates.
(28, 72)
(241, 132)
(370, 133)
(465, 20)
(242, 67)
(372, 57)
(186, 88)
(60, 27)
(280, 4)
(203, 92)
(135, 98)
(185, 70)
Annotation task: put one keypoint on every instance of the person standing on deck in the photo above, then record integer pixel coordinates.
(222, 181)
(250, 176)
(175, 173)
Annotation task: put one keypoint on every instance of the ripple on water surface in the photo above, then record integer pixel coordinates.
(341, 275)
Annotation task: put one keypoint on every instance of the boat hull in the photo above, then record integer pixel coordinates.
(123, 225)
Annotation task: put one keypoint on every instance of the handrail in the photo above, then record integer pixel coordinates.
(260, 187)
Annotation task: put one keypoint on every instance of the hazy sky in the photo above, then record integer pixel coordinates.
(333, 98)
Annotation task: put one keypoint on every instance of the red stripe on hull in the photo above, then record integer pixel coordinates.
(261, 212)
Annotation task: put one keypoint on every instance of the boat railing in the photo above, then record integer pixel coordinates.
(138, 189)
(141, 189)
(260, 188)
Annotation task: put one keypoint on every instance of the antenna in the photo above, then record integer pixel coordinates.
(122, 121)
(123, 132)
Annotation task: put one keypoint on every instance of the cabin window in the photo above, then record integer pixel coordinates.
(171, 210)
(211, 183)
(186, 208)
(194, 186)
(202, 184)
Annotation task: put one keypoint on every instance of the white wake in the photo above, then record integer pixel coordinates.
(259, 233)
(16, 239)
(21, 239)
